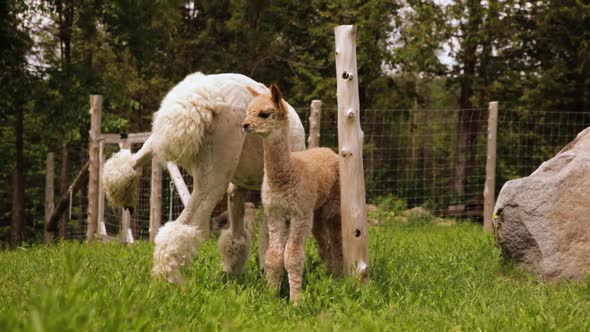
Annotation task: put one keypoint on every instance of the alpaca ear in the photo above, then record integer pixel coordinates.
(276, 94)
(252, 91)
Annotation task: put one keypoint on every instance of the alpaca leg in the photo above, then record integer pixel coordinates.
(332, 234)
(336, 264)
(274, 257)
(322, 240)
(176, 245)
(173, 252)
(262, 243)
(211, 171)
(234, 243)
(295, 255)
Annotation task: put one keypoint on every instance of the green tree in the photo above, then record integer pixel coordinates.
(16, 82)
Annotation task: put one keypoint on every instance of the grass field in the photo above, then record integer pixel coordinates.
(424, 277)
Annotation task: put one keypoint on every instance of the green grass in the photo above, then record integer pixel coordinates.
(423, 277)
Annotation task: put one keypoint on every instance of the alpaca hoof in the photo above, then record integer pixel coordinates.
(176, 246)
(120, 179)
(234, 252)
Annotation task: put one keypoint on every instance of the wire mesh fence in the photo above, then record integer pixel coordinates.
(412, 154)
(429, 158)
(76, 217)
(526, 138)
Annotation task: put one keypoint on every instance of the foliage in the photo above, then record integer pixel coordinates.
(55, 54)
(388, 207)
(423, 277)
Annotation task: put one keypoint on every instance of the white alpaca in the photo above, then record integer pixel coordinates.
(198, 126)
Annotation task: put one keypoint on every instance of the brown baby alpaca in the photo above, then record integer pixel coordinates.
(300, 195)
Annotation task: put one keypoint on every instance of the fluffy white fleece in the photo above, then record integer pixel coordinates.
(119, 179)
(176, 246)
(187, 111)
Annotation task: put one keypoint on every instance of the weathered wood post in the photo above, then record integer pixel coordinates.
(93, 176)
(313, 141)
(125, 231)
(49, 193)
(489, 188)
(155, 198)
(101, 228)
(350, 145)
(63, 187)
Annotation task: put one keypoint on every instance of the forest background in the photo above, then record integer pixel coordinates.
(532, 56)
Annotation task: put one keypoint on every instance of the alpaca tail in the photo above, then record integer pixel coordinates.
(119, 179)
(180, 124)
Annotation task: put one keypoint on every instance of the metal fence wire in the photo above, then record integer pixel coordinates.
(412, 156)
(425, 158)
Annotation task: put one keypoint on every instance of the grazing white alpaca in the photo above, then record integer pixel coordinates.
(300, 194)
(198, 126)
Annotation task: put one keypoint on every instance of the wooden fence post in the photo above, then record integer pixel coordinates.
(350, 148)
(101, 229)
(155, 198)
(63, 187)
(489, 188)
(313, 141)
(125, 230)
(93, 176)
(49, 193)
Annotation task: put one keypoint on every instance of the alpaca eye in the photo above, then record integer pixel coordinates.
(264, 115)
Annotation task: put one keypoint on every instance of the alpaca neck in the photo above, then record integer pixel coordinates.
(277, 159)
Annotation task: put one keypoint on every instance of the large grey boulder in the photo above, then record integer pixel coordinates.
(542, 221)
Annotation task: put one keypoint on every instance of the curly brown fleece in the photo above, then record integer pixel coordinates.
(300, 194)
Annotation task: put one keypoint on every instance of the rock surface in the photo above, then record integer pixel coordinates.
(416, 212)
(542, 221)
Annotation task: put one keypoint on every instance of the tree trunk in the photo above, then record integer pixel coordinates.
(65, 14)
(17, 223)
(63, 187)
(469, 119)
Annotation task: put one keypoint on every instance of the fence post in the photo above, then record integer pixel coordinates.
(350, 146)
(63, 188)
(102, 230)
(49, 193)
(313, 141)
(125, 231)
(93, 180)
(155, 198)
(489, 188)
